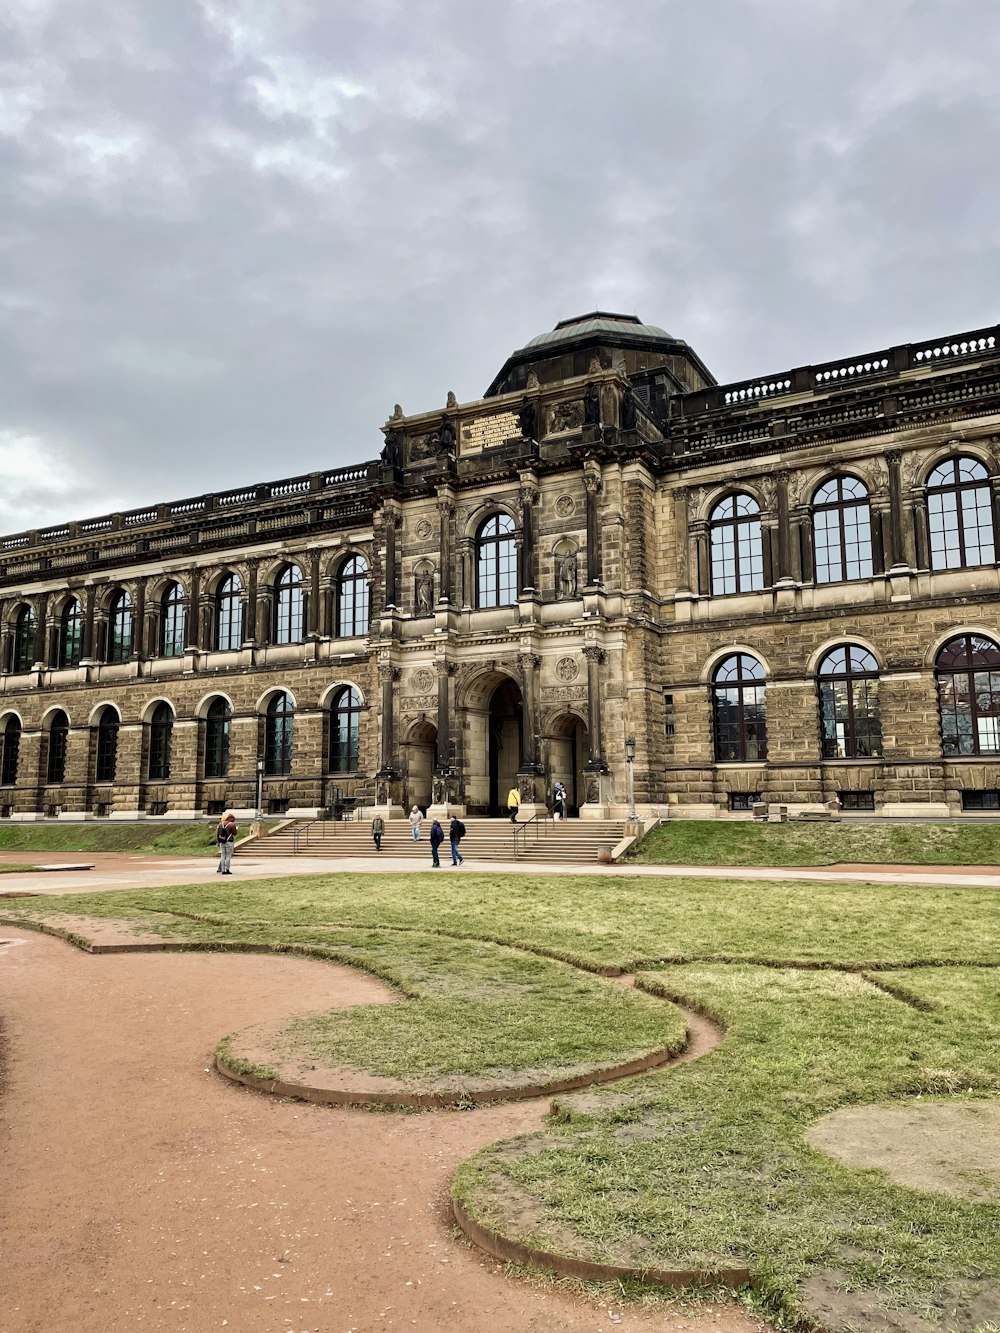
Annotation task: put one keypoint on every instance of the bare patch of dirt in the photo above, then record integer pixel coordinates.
(829, 1301)
(945, 1147)
(144, 1192)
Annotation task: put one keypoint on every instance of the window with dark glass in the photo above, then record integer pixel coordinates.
(288, 606)
(71, 634)
(842, 531)
(55, 764)
(107, 746)
(856, 800)
(161, 730)
(352, 598)
(345, 731)
(496, 562)
(968, 676)
(229, 614)
(278, 735)
(172, 621)
(960, 515)
(24, 640)
(10, 750)
(848, 704)
(981, 799)
(738, 710)
(737, 551)
(217, 721)
(120, 628)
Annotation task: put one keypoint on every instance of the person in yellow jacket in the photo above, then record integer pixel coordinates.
(513, 804)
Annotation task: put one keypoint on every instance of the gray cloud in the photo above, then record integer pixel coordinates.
(234, 233)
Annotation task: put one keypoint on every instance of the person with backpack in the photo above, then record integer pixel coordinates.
(378, 828)
(456, 832)
(437, 838)
(225, 838)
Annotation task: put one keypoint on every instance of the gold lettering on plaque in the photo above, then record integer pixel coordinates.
(486, 432)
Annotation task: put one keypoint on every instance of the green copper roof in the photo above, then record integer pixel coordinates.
(599, 321)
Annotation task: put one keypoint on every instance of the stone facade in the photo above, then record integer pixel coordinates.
(601, 453)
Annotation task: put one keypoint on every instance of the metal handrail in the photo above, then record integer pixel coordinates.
(541, 821)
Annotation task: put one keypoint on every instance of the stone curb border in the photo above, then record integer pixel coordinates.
(516, 1252)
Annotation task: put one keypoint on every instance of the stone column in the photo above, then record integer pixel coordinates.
(192, 622)
(87, 642)
(391, 523)
(594, 485)
(595, 657)
(250, 606)
(442, 759)
(388, 675)
(466, 563)
(529, 664)
(446, 509)
(314, 598)
(783, 553)
(900, 541)
(683, 562)
(698, 529)
(41, 617)
(880, 561)
(262, 615)
(139, 621)
(527, 499)
(802, 544)
(922, 553)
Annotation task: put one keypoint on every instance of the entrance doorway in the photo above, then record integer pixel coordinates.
(567, 754)
(418, 754)
(505, 744)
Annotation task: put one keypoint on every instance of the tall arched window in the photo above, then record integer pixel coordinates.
(345, 731)
(71, 634)
(217, 721)
(352, 598)
(737, 551)
(842, 530)
(229, 614)
(23, 657)
(278, 735)
(968, 675)
(738, 710)
(288, 605)
(107, 745)
(848, 704)
(960, 515)
(496, 562)
(120, 628)
(55, 763)
(161, 730)
(172, 621)
(10, 750)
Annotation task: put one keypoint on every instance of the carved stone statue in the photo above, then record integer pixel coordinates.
(391, 455)
(425, 593)
(628, 410)
(592, 406)
(446, 436)
(532, 380)
(451, 400)
(594, 367)
(397, 412)
(566, 576)
(526, 417)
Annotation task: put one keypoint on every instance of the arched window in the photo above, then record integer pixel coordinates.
(968, 675)
(229, 614)
(738, 710)
(161, 730)
(107, 745)
(218, 718)
(848, 704)
(71, 634)
(352, 598)
(10, 749)
(737, 552)
(55, 764)
(345, 731)
(278, 735)
(496, 562)
(288, 606)
(120, 628)
(960, 515)
(23, 657)
(172, 621)
(842, 530)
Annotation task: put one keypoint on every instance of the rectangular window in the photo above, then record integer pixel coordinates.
(981, 800)
(216, 808)
(743, 800)
(857, 800)
(158, 808)
(277, 806)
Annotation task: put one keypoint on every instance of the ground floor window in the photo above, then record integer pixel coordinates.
(981, 800)
(857, 800)
(743, 800)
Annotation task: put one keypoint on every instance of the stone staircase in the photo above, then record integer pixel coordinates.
(568, 841)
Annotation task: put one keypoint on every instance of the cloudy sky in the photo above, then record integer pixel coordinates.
(234, 232)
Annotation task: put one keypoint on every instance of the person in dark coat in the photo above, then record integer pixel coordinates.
(437, 838)
(456, 832)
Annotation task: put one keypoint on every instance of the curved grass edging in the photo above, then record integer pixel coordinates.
(517, 1252)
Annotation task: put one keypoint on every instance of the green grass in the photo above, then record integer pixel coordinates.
(698, 1165)
(159, 839)
(711, 842)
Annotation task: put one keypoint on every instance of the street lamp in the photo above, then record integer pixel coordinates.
(630, 760)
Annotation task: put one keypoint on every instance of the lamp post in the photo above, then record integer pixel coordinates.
(630, 760)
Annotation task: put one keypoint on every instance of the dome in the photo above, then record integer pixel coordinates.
(598, 322)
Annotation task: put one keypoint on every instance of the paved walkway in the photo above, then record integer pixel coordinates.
(113, 871)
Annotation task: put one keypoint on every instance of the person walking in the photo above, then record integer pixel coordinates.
(437, 838)
(378, 828)
(225, 837)
(456, 832)
(416, 819)
(513, 804)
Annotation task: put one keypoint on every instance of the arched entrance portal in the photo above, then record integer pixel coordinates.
(418, 756)
(505, 744)
(566, 742)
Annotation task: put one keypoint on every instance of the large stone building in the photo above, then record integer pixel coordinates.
(785, 588)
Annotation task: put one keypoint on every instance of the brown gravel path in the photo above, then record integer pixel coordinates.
(139, 1191)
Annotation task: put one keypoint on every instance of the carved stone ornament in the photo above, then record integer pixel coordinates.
(422, 447)
(566, 416)
(422, 680)
(567, 668)
(424, 529)
(565, 505)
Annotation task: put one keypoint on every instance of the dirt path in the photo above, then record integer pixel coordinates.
(140, 1191)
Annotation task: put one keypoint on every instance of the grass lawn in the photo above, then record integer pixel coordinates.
(831, 996)
(161, 839)
(714, 842)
